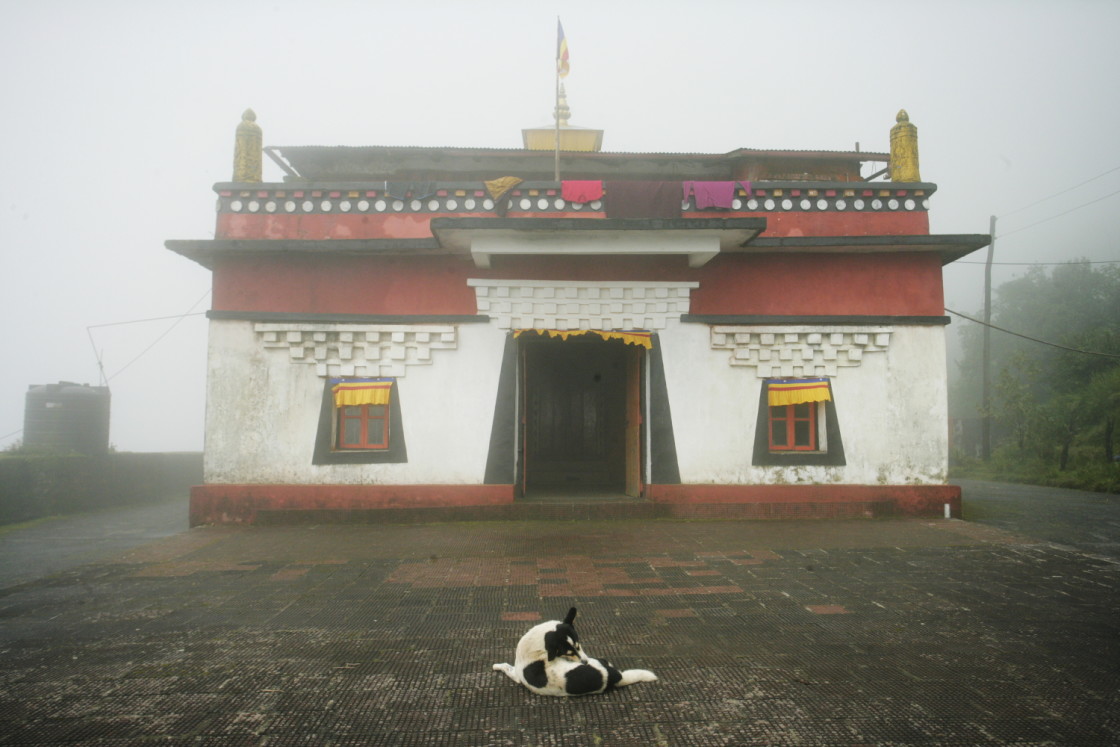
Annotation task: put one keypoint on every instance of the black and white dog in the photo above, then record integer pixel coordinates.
(550, 661)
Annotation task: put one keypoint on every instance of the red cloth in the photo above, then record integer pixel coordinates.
(581, 191)
(643, 199)
(711, 194)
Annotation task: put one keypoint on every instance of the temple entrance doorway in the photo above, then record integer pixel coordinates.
(581, 417)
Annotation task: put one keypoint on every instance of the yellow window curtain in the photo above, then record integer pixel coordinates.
(797, 391)
(630, 336)
(353, 392)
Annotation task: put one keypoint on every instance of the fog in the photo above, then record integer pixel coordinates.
(120, 117)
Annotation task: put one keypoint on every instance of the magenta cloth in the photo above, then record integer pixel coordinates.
(581, 191)
(746, 188)
(643, 199)
(711, 194)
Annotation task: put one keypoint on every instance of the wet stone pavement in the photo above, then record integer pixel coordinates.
(784, 632)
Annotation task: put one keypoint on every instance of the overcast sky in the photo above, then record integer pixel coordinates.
(120, 117)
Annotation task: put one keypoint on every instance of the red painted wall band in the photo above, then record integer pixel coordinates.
(907, 284)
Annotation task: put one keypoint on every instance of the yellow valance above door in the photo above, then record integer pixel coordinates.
(630, 337)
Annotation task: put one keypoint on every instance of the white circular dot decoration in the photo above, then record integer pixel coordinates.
(876, 204)
(769, 204)
(452, 205)
(525, 203)
(542, 203)
(925, 204)
(737, 204)
(909, 205)
(468, 204)
(577, 206)
(806, 204)
(893, 204)
(596, 204)
(841, 205)
(822, 204)
(254, 206)
(858, 204)
(290, 206)
(308, 206)
(363, 205)
(488, 204)
(787, 204)
(398, 205)
(270, 206)
(752, 204)
(325, 206)
(345, 206)
(559, 204)
(236, 206)
(433, 205)
(379, 206)
(415, 206)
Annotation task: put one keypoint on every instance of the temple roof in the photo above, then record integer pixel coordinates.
(396, 163)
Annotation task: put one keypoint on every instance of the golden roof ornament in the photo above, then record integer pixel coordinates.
(562, 112)
(248, 149)
(904, 150)
(572, 138)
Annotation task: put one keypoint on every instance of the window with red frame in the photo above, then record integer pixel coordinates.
(363, 427)
(793, 427)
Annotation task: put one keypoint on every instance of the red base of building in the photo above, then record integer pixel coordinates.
(828, 501)
(246, 504)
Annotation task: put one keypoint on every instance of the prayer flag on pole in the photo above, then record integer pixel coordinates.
(561, 51)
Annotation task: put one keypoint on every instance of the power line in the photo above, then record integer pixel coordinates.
(1075, 186)
(178, 318)
(1059, 215)
(1033, 339)
(1047, 264)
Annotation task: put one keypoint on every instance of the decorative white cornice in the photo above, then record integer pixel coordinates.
(358, 349)
(799, 350)
(563, 304)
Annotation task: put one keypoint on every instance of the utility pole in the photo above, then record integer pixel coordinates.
(986, 395)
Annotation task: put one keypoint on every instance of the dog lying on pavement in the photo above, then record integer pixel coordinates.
(550, 661)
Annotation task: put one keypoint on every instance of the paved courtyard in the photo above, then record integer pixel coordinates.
(781, 632)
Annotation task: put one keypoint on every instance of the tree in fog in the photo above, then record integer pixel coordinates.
(1048, 400)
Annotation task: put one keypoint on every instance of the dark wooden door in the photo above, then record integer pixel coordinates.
(575, 414)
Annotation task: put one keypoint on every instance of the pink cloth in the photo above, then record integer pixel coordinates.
(576, 191)
(711, 194)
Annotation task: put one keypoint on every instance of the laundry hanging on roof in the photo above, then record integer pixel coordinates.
(711, 194)
(581, 191)
(355, 392)
(632, 199)
(797, 391)
(497, 189)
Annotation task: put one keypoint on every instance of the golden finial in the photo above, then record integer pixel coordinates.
(563, 113)
(904, 150)
(248, 149)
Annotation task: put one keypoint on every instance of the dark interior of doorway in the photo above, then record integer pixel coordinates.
(575, 418)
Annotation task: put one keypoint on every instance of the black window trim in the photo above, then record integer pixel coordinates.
(763, 457)
(325, 453)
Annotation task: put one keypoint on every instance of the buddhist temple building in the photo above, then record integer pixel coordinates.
(759, 333)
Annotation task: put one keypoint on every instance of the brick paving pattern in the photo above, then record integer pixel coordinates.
(762, 633)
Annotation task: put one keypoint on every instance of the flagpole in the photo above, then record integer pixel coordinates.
(556, 116)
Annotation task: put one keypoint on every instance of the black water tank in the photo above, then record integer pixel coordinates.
(67, 417)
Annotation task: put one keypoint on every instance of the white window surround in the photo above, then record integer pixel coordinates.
(572, 305)
(358, 349)
(799, 350)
